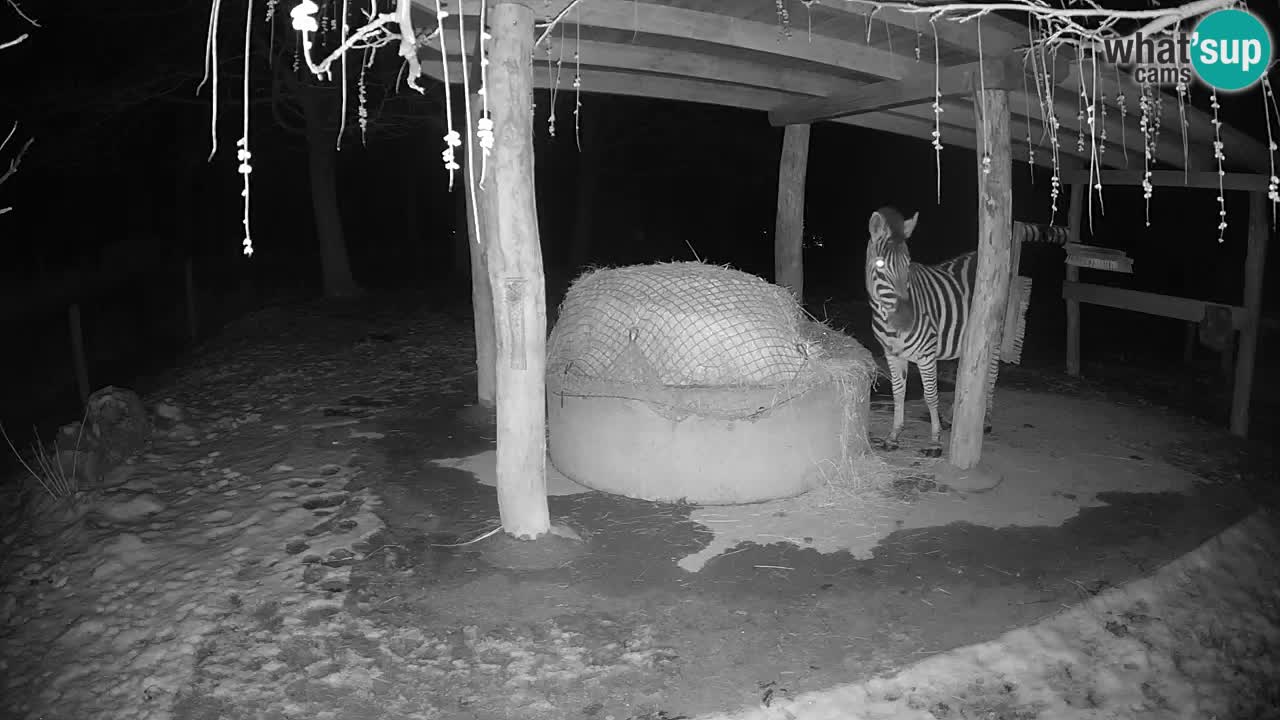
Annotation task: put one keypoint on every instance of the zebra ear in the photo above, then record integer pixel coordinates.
(909, 225)
(878, 226)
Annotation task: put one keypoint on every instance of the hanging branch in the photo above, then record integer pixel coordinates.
(1268, 108)
(1219, 157)
(17, 159)
(1084, 26)
(937, 112)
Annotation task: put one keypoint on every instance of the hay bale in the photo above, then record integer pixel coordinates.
(677, 324)
(697, 382)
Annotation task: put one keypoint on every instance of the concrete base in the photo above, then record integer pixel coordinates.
(625, 446)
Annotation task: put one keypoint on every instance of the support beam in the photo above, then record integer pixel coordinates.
(1206, 179)
(514, 258)
(1254, 265)
(1075, 217)
(991, 286)
(713, 93)
(922, 86)
(689, 29)
(1170, 306)
(479, 206)
(480, 224)
(788, 235)
(999, 35)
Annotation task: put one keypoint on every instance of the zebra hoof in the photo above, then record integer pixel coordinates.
(932, 452)
(884, 443)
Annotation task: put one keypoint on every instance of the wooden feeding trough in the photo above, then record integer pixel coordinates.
(1245, 319)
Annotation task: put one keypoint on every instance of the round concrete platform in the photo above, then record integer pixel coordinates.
(751, 445)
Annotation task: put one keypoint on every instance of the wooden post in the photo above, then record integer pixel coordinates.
(1075, 215)
(1254, 264)
(77, 351)
(1190, 338)
(189, 282)
(788, 236)
(991, 291)
(478, 205)
(516, 276)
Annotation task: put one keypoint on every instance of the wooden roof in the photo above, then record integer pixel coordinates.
(739, 53)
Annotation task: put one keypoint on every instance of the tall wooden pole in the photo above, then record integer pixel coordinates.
(991, 291)
(1075, 216)
(514, 258)
(1254, 264)
(478, 207)
(788, 236)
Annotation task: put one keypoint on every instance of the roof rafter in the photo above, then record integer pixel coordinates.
(739, 46)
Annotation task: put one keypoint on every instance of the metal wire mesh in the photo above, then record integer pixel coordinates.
(678, 325)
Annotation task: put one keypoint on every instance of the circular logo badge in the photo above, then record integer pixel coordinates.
(1231, 49)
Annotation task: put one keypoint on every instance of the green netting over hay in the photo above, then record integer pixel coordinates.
(678, 324)
(693, 381)
(691, 338)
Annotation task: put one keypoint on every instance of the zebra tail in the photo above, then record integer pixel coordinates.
(1036, 233)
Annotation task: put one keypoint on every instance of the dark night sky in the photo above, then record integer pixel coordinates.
(120, 131)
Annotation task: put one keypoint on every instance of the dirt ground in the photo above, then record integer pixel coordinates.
(663, 611)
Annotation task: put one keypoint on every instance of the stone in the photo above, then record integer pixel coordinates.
(120, 423)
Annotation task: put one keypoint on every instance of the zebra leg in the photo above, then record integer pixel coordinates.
(929, 378)
(898, 368)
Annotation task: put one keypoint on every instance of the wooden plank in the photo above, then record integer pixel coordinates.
(1178, 308)
(1200, 131)
(480, 224)
(1254, 266)
(713, 93)
(999, 35)
(729, 84)
(788, 236)
(991, 286)
(1124, 139)
(694, 27)
(596, 55)
(920, 87)
(1172, 178)
(1075, 217)
(516, 277)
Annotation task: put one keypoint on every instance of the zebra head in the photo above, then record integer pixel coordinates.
(888, 267)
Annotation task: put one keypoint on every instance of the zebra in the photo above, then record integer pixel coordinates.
(918, 311)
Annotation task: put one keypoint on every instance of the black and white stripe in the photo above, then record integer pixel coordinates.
(918, 311)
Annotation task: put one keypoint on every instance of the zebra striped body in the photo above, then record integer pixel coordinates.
(918, 312)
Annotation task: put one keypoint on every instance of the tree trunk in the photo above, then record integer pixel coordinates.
(991, 286)
(1254, 265)
(322, 167)
(478, 205)
(1074, 219)
(516, 276)
(788, 235)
